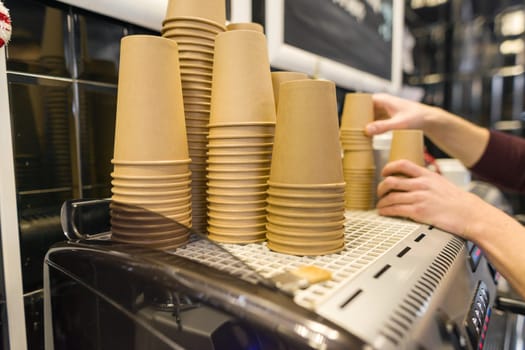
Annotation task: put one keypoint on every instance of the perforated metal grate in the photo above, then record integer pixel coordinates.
(367, 237)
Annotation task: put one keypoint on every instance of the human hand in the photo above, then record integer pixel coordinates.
(429, 198)
(404, 114)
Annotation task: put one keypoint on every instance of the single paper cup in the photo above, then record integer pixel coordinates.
(306, 143)
(242, 84)
(358, 111)
(407, 144)
(150, 123)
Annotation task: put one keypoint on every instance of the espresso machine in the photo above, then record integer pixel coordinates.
(397, 284)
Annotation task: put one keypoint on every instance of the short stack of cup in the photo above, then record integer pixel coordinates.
(358, 157)
(242, 124)
(194, 24)
(151, 181)
(305, 209)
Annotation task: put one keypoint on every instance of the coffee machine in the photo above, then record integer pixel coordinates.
(396, 285)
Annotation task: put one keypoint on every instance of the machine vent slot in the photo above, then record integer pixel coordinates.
(400, 314)
(414, 300)
(382, 271)
(352, 297)
(414, 306)
(418, 298)
(426, 286)
(395, 331)
(457, 244)
(403, 252)
(442, 263)
(420, 237)
(438, 269)
(423, 289)
(393, 339)
(400, 322)
(448, 254)
(432, 277)
(406, 311)
(447, 257)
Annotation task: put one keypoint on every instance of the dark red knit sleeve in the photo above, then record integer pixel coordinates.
(503, 162)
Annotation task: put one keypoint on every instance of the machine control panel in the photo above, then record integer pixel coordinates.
(474, 255)
(478, 317)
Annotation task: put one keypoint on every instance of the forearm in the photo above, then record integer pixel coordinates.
(503, 162)
(502, 239)
(457, 137)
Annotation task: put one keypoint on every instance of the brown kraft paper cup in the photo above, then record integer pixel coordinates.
(407, 144)
(358, 111)
(242, 84)
(150, 121)
(306, 144)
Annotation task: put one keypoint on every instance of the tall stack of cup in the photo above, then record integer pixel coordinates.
(194, 24)
(280, 77)
(407, 144)
(242, 123)
(305, 209)
(358, 158)
(151, 181)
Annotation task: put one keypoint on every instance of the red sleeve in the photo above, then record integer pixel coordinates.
(503, 162)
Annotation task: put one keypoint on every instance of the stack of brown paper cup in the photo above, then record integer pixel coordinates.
(305, 209)
(151, 186)
(242, 123)
(358, 158)
(280, 77)
(407, 144)
(194, 24)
